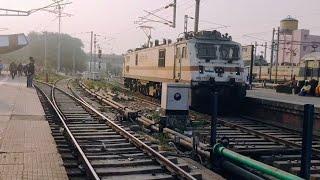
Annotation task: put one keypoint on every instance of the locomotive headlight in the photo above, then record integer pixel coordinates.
(177, 96)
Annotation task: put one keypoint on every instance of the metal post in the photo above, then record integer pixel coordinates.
(213, 132)
(277, 58)
(265, 50)
(307, 141)
(45, 51)
(174, 13)
(90, 64)
(94, 52)
(260, 60)
(251, 66)
(185, 23)
(271, 55)
(74, 61)
(45, 56)
(59, 40)
(196, 17)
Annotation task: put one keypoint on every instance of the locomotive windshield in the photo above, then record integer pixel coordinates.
(206, 51)
(229, 52)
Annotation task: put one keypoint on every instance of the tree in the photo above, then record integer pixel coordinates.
(69, 45)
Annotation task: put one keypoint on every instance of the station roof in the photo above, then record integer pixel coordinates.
(315, 56)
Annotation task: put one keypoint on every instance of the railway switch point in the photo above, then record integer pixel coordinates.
(28, 150)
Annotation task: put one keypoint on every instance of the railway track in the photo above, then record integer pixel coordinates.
(70, 160)
(106, 149)
(277, 146)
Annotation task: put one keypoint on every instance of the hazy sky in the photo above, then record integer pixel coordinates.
(115, 18)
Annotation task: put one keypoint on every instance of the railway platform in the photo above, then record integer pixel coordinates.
(271, 94)
(281, 109)
(27, 148)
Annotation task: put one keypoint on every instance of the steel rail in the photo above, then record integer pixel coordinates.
(159, 157)
(186, 142)
(91, 172)
(233, 125)
(264, 135)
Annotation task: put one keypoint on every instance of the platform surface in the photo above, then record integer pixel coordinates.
(27, 148)
(271, 94)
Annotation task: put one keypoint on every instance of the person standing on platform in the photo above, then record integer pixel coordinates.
(1, 67)
(20, 67)
(30, 72)
(25, 69)
(13, 69)
(318, 89)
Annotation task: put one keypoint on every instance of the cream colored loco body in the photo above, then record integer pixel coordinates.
(209, 60)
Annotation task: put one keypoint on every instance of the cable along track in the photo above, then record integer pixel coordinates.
(106, 149)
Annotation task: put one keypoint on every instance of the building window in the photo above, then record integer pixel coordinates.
(162, 58)
(137, 59)
(304, 48)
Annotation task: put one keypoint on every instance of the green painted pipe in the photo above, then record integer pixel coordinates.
(264, 168)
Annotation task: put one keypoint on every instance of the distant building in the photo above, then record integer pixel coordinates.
(295, 43)
(109, 62)
(311, 66)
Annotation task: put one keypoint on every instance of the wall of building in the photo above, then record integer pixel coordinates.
(300, 41)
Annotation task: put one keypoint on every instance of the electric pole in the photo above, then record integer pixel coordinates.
(45, 51)
(265, 55)
(59, 39)
(90, 64)
(255, 53)
(45, 56)
(186, 17)
(174, 13)
(277, 58)
(196, 17)
(265, 50)
(251, 66)
(271, 54)
(185, 24)
(74, 61)
(94, 52)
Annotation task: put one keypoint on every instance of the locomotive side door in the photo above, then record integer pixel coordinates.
(180, 51)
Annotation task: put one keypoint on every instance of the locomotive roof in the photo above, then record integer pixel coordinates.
(202, 35)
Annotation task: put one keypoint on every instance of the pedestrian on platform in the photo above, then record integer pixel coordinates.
(1, 67)
(25, 69)
(20, 68)
(30, 72)
(13, 69)
(305, 90)
(318, 89)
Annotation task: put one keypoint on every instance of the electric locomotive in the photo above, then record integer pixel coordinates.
(208, 61)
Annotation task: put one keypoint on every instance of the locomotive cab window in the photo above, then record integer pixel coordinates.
(162, 58)
(229, 52)
(205, 51)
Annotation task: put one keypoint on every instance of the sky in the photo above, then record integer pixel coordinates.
(246, 21)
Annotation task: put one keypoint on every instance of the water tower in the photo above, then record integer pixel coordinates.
(288, 25)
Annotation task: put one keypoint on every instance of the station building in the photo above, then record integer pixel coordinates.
(295, 43)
